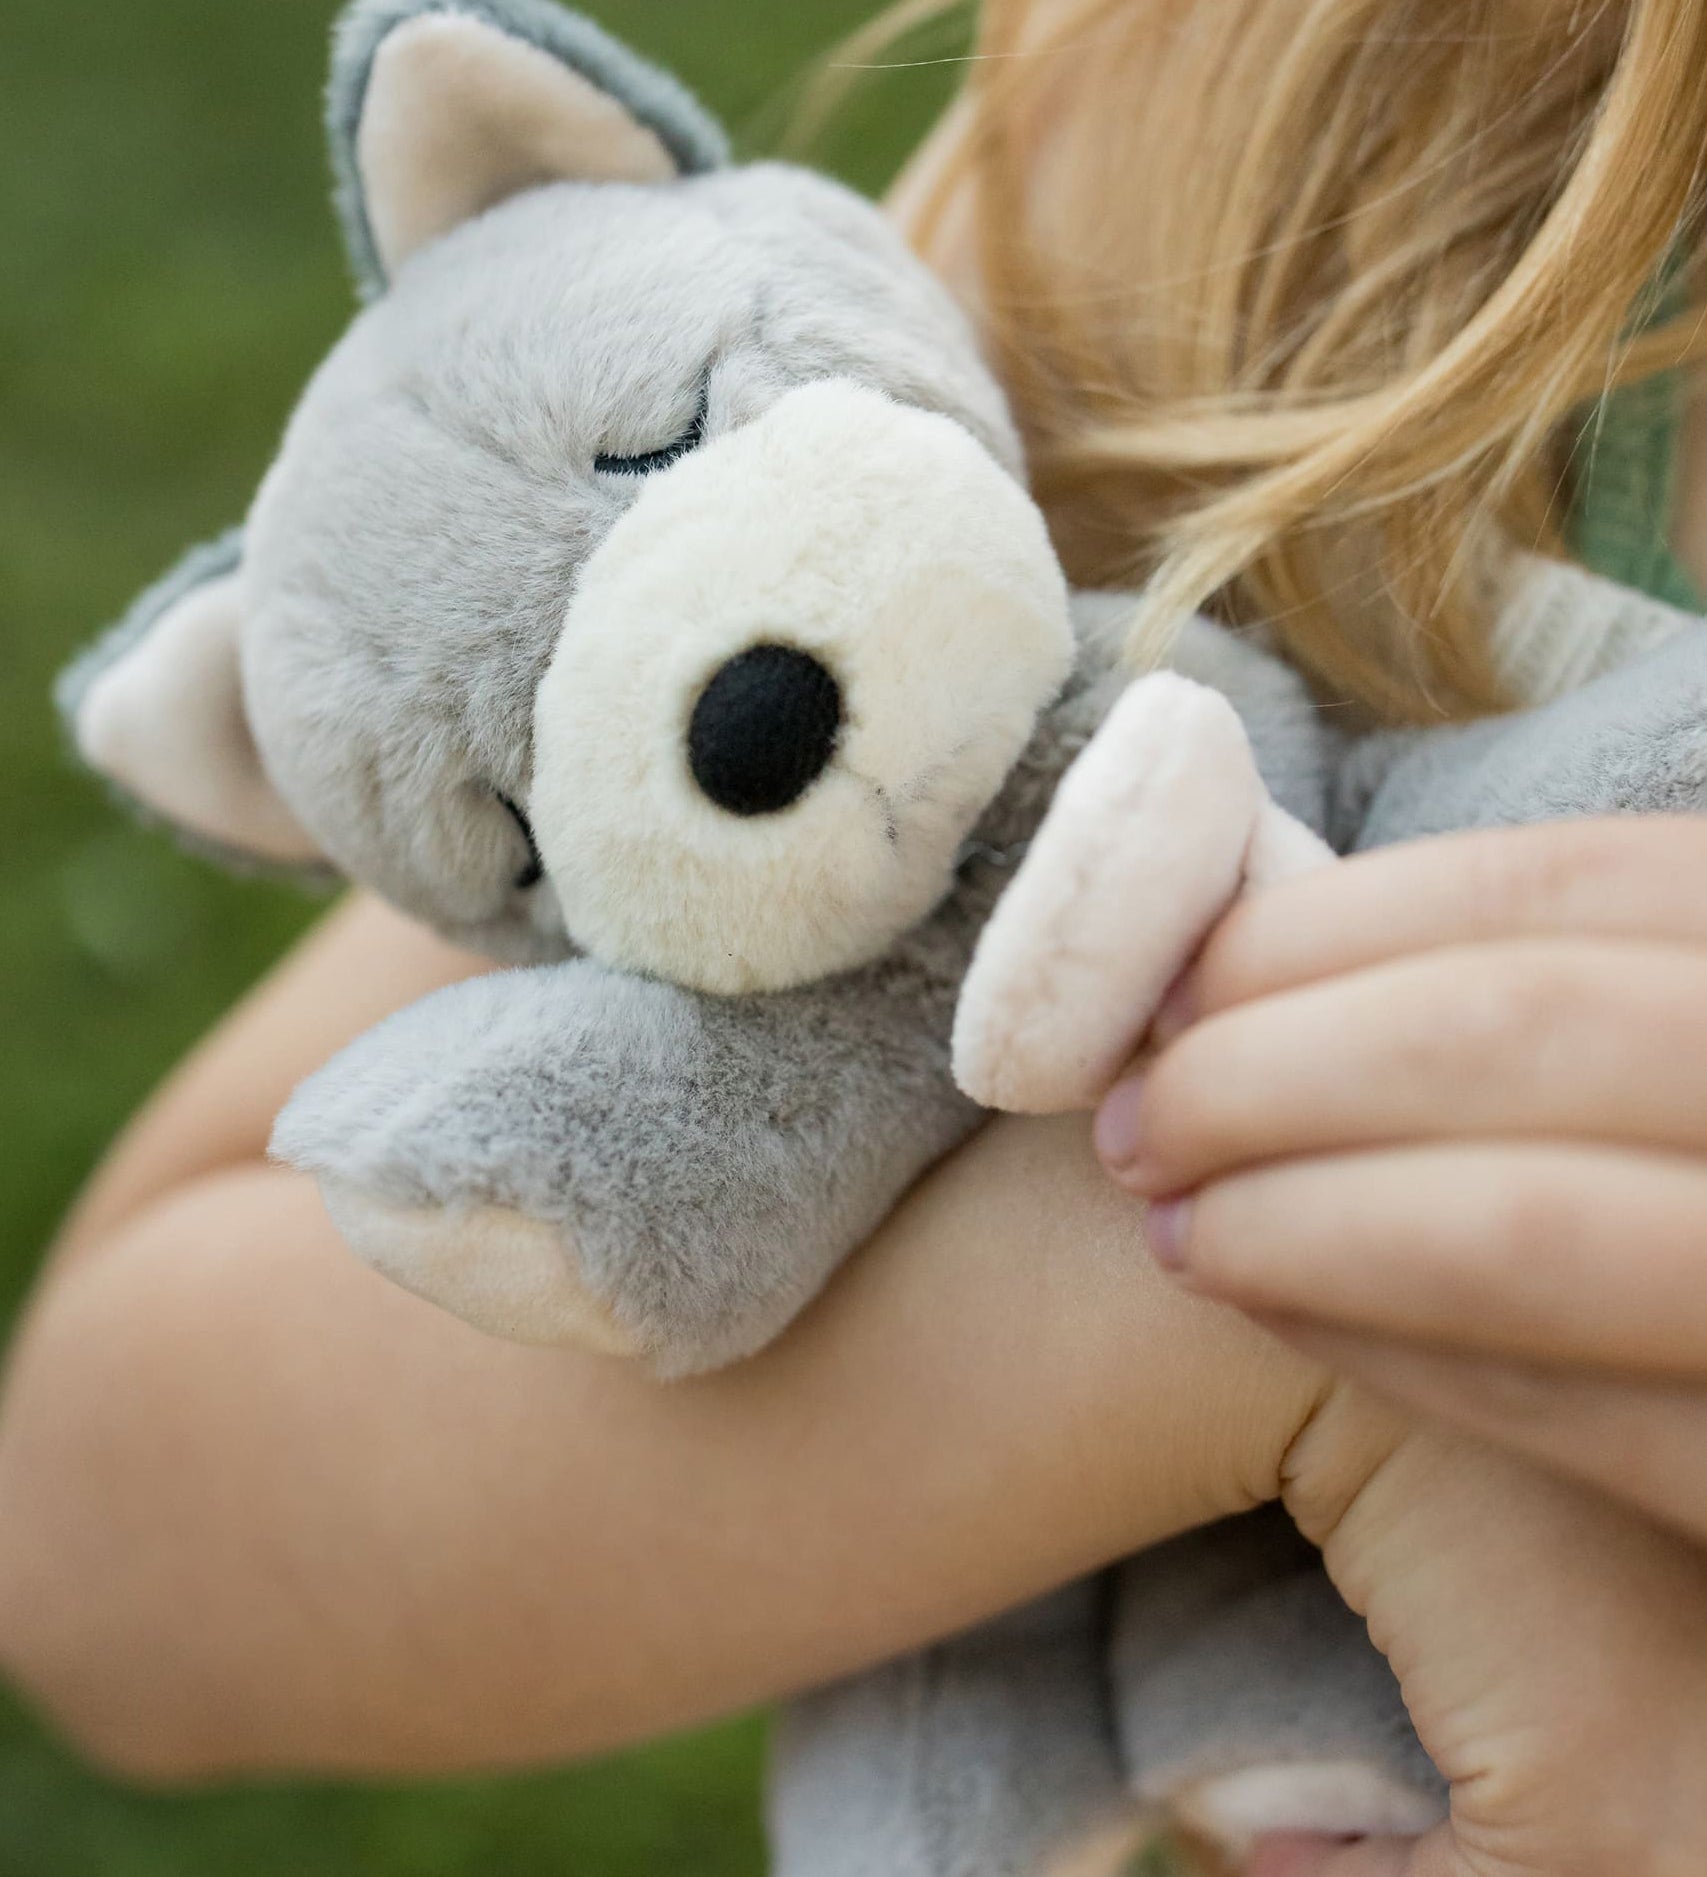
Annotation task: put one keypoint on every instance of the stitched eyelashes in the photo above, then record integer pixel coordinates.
(531, 875)
(649, 462)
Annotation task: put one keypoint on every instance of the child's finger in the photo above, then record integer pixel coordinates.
(1642, 877)
(1537, 1252)
(1551, 1038)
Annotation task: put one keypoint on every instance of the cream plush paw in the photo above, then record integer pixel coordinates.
(494, 1267)
(1153, 833)
(1234, 1812)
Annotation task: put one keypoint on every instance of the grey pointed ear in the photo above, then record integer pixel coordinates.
(441, 109)
(156, 707)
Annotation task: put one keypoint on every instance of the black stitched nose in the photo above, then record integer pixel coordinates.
(764, 730)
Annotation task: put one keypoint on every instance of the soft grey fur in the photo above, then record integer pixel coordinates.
(654, 98)
(213, 560)
(710, 1159)
(708, 1162)
(992, 1754)
(1635, 745)
(1200, 1625)
(412, 553)
(1022, 1748)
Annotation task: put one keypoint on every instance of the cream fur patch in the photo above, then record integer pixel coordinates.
(1332, 1797)
(460, 116)
(1145, 845)
(887, 544)
(499, 1270)
(1282, 847)
(167, 723)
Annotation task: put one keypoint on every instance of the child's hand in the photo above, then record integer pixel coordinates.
(1552, 1648)
(1439, 1117)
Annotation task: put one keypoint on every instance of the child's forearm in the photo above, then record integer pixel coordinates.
(217, 1110)
(259, 1509)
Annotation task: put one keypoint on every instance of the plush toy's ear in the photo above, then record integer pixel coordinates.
(157, 709)
(441, 109)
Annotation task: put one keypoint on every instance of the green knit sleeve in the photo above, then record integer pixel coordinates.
(1625, 473)
(1625, 460)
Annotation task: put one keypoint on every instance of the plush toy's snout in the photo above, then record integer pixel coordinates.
(764, 730)
(791, 680)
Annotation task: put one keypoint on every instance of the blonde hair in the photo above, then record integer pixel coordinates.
(1295, 299)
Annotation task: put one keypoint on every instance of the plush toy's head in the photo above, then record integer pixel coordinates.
(647, 570)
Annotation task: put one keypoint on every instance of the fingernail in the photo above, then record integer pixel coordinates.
(1168, 1228)
(1177, 1012)
(1120, 1127)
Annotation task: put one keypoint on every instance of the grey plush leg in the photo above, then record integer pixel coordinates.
(992, 1755)
(1250, 1698)
(1631, 742)
(569, 1154)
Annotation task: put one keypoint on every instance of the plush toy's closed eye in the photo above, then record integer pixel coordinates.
(650, 462)
(534, 872)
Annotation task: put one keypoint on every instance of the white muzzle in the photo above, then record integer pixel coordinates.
(791, 680)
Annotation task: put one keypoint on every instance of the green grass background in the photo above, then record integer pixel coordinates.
(168, 276)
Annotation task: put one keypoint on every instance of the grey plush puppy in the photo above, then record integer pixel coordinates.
(646, 595)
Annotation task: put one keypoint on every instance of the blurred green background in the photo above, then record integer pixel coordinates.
(168, 277)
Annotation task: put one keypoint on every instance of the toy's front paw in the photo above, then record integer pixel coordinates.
(572, 1155)
(452, 1146)
(491, 1265)
(1153, 832)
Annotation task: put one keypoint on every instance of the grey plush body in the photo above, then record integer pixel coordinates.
(1050, 1743)
(713, 1159)
(1629, 742)
(703, 1162)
